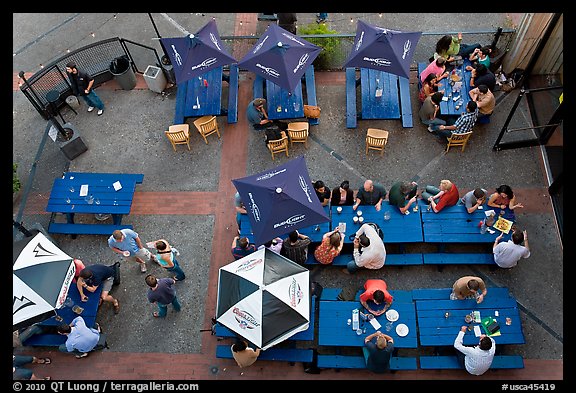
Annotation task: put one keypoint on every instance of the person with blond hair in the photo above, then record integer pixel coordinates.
(377, 354)
(439, 198)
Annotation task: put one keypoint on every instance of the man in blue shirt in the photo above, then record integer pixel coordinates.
(128, 243)
(256, 114)
(81, 339)
(163, 293)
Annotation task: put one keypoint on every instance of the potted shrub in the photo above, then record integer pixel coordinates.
(329, 57)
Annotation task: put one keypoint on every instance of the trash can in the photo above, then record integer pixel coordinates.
(72, 101)
(123, 73)
(155, 79)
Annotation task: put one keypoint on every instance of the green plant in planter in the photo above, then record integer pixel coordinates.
(329, 58)
(15, 180)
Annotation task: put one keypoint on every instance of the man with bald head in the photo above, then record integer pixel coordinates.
(370, 194)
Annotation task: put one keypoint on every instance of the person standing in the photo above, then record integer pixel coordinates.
(509, 253)
(241, 247)
(92, 277)
(128, 243)
(82, 84)
(287, 21)
(21, 373)
(163, 293)
(403, 195)
(376, 299)
(469, 287)
(295, 247)
(370, 194)
(166, 255)
(243, 354)
(373, 253)
(377, 354)
(478, 359)
(80, 338)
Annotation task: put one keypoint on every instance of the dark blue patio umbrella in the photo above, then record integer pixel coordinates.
(280, 200)
(196, 54)
(382, 49)
(280, 57)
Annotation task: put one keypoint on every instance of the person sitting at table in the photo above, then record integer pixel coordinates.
(21, 373)
(322, 192)
(480, 56)
(447, 195)
(373, 253)
(429, 112)
(473, 199)
(478, 359)
(377, 354)
(370, 194)
(429, 86)
(403, 195)
(256, 114)
(469, 287)
(273, 245)
(463, 124)
(80, 338)
(243, 354)
(241, 247)
(481, 75)
(295, 247)
(508, 254)
(376, 299)
(330, 247)
(342, 195)
(484, 99)
(167, 257)
(78, 267)
(437, 68)
(449, 46)
(92, 277)
(504, 198)
(273, 133)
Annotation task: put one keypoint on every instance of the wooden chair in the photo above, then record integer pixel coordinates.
(207, 125)
(298, 132)
(458, 140)
(376, 139)
(178, 134)
(278, 146)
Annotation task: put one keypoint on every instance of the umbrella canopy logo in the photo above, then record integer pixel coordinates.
(245, 319)
(295, 293)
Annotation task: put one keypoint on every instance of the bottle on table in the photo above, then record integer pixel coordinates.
(483, 227)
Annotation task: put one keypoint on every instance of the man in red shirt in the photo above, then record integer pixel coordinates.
(447, 195)
(376, 299)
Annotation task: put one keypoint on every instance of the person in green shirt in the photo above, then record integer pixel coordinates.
(403, 195)
(481, 56)
(449, 46)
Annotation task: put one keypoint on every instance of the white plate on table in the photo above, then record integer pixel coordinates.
(402, 330)
(392, 315)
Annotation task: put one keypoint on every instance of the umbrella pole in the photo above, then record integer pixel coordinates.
(21, 228)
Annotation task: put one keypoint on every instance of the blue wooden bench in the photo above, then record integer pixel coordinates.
(347, 361)
(85, 229)
(405, 102)
(311, 92)
(442, 258)
(81, 176)
(444, 293)
(258, 87)
(181, 91)
(351, 117)
(399, 295)
(421, 67)
(391, 259)
(291, 355)
(451, 362)
(233, 94)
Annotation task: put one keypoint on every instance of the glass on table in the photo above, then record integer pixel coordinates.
(71, 189)
(387, 215)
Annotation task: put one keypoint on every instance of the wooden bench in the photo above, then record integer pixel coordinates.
(405, 102)
(444, 293)
(85, 229)
(391, 259)
(451, 362)
(358, 362)
(233, 94)
(351, 117)
(311, 92)
(291, 355)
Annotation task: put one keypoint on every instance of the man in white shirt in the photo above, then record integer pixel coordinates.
(373, 251)
(509, 253)
(476, 360)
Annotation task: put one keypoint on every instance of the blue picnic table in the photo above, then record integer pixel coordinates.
(440, 320)
(65, 198)
(449, 107)
(202, 96)
(384, 96)
(314, 232)
(333, 328)
(400, 228)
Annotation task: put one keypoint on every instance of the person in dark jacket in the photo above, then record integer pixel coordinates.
(342, 195)
(287, 21)
(82, 86)
(91, 277)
